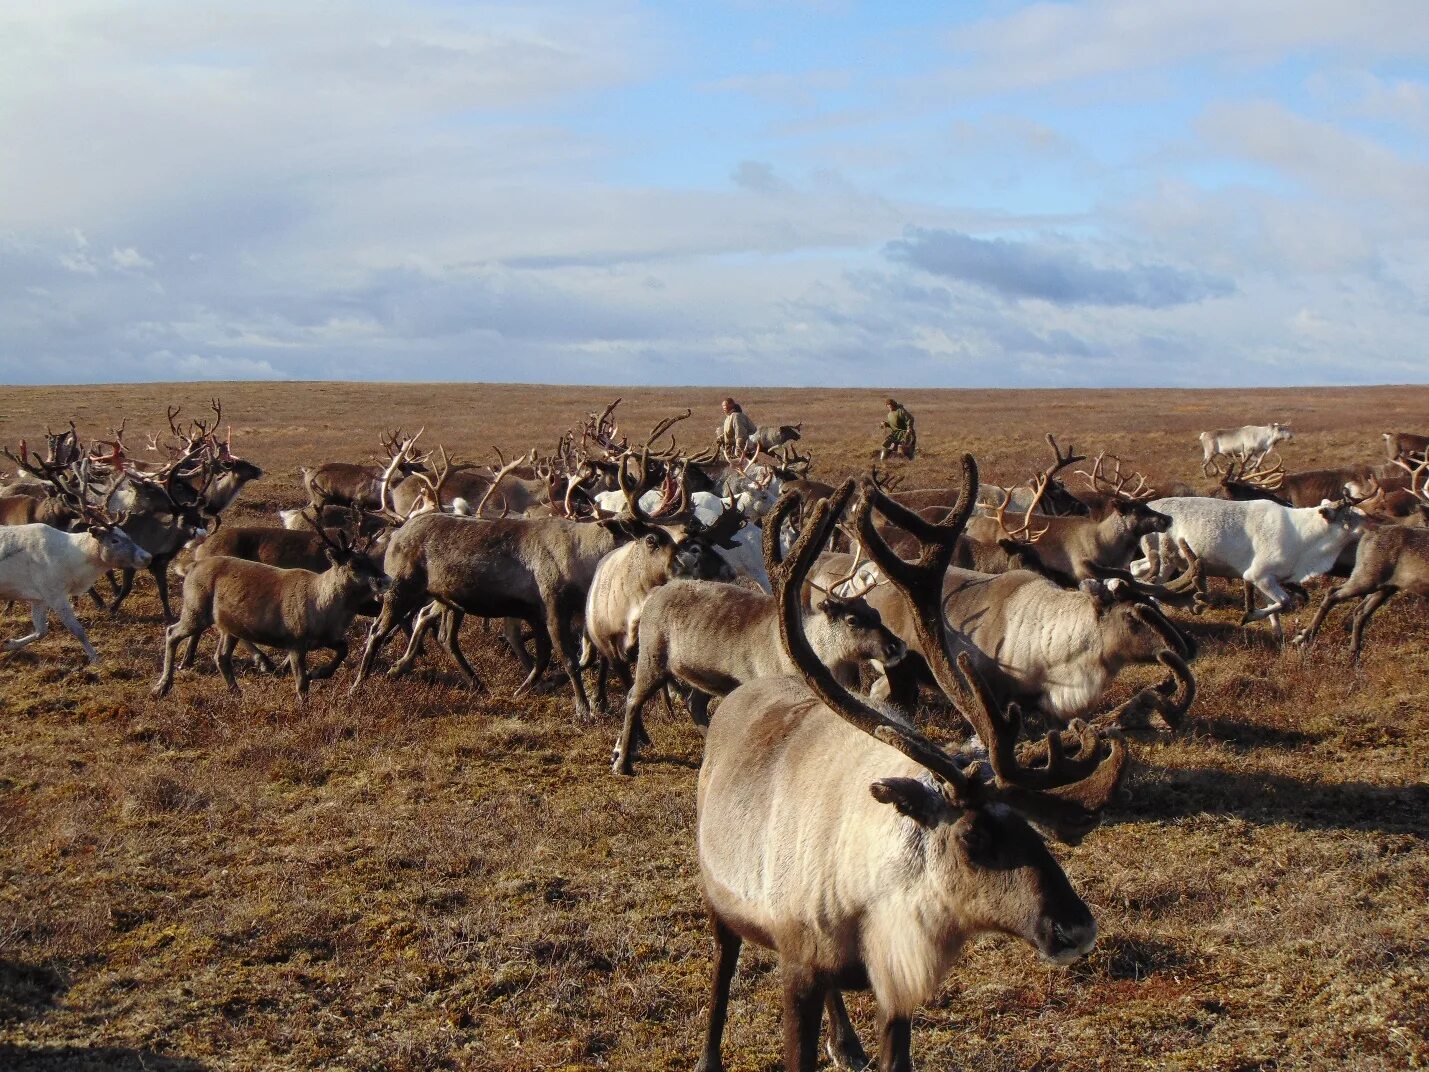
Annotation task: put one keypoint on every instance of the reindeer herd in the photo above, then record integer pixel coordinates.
(826, 620)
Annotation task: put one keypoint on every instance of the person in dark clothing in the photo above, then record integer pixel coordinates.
(901, 438)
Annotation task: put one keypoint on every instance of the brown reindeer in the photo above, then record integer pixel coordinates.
(861, 852)
(537, 570)
(298, 610)
(1388, 559)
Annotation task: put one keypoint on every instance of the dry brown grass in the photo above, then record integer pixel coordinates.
(420, 879)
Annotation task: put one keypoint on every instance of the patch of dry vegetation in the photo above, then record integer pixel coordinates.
(423, 879)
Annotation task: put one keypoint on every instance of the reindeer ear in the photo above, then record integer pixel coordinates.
(912, 798)
(1099, 591)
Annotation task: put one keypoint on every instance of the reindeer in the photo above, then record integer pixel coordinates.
(713, 637)
(1388, 559)
(47, 568)
(1072, 549)
(346, 484)
(770, 437)
(1250, 441)
(1052, 649)
(1056, 500)
(537, 570)
(51, 510)
(861, 852)
(625, 578)
(1272, 547)
(298, 610)
(217, 474)
(1405, 446)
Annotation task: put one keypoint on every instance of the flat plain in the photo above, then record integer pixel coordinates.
(421, 878)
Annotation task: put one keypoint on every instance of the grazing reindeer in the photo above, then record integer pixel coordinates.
(294, 609)
(861, 852)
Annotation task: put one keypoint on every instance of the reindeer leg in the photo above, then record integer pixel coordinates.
(430, 615)
(339, 653)
(803, 1013)
(65, 613)
(223, 656)
(1279, 600)
(40, 618)
(560, 609)
(727, 945)
(397, 607)
(160, 573)
(1347, 591)
(260, 661)
(452, 641)
(648, 680)
(511, 630)
(298, 660)
(843, 1045)
(542, 660)
(1363, 613)
(699, 705)
(895, 1045)
(121, 589)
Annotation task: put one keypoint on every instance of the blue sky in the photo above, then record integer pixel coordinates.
(1105, 192)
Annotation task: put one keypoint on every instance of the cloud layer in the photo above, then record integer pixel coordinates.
(1105, 192)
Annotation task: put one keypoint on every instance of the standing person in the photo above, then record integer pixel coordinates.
(734, 433)
(901, 438)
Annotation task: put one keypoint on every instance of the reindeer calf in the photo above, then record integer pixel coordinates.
(297, 610)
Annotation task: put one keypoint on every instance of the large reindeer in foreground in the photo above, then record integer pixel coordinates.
(861, 852)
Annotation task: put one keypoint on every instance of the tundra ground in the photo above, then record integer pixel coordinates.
(420, 878)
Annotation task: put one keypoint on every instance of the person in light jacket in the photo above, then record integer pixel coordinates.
(734, 433)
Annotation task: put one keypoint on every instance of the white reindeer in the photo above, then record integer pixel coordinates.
(1261, 542)
(47, 568)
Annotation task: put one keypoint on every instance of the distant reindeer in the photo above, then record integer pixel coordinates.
(1249, 441)
(1405, 445)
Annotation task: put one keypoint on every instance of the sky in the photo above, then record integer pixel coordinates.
(995, 194)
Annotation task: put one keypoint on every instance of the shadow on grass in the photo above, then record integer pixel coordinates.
(1257, 635)
(1251, 735)
(27, 990)
(90, 1059)
(1123, 957)
(1274, 798)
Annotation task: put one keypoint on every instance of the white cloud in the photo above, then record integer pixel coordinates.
(1046, 43)
(129, 258)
